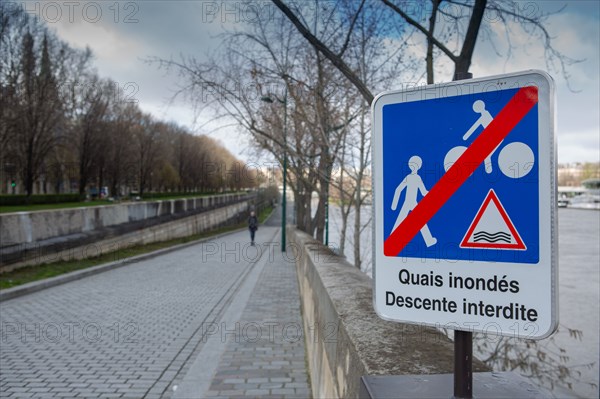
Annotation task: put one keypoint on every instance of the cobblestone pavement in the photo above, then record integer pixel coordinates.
(141, 330)
(264, 356)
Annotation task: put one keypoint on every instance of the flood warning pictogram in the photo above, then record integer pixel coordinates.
(492, 227)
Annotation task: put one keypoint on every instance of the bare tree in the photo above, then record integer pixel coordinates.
(183, 152)
(34, 67)
(120, 168)
(88, 130)
(14, 22)
(146, 137)
(39, 109)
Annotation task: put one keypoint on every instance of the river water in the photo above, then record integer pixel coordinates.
(579, 289)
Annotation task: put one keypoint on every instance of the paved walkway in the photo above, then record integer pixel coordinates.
(217, 319)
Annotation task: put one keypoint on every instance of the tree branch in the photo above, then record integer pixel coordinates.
(347, 41)
(323, 49)
(414, 23)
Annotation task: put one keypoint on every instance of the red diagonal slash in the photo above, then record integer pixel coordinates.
(518, 106)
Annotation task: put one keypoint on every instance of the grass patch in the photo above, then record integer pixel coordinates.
(264, 214)
(40, 272)
(44, 207)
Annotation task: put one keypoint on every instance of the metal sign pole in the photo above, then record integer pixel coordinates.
(463, 364)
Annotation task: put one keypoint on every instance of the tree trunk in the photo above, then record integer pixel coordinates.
(463, 62)
(358, 201)
(342, 202)
(100, 178)
(29, 171)
(318, 225)
(323, 177)
(82, 176)
(429, 59)
(304, 208)
(357, 226)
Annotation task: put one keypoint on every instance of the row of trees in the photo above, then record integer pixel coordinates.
(63, 128)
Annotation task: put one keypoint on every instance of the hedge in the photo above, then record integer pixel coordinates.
(21, 199)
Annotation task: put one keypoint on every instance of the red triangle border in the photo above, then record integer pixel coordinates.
(491, 196)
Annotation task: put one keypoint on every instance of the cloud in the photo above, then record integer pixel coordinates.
(112, 50)
(578, 146)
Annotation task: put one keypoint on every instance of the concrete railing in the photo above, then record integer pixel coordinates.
(27, 227)
(345, 338)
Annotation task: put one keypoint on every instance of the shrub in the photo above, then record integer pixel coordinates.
(11, 200)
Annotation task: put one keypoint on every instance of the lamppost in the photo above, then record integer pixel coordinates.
(10, 169)
(268, 99)
(327, 205)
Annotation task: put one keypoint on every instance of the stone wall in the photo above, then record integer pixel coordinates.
(32, 238)
(345, 339)
(28, 227)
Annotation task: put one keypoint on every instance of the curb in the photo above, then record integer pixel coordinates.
(36, 286)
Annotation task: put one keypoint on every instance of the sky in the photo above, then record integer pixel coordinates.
(123, 34)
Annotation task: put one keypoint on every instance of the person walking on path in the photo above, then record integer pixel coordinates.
(252, 225)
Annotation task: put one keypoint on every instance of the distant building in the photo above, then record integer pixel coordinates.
(573, 174)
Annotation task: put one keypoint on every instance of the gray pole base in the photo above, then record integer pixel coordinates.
(485, 385)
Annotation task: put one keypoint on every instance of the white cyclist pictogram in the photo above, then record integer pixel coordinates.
(515, 159)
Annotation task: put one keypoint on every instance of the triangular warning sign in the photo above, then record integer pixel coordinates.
(492, 228)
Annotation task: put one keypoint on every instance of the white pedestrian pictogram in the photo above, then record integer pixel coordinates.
(413, 185)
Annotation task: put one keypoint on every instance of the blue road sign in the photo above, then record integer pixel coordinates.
(493, 216)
